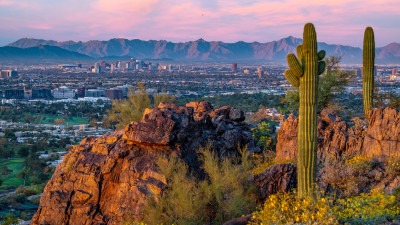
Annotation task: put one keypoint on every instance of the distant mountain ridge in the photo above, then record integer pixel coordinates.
(202, 50)
(39, 53)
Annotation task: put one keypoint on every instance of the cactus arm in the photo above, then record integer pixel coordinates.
(321, 54)
(368, 68)
(321, 67)
(292, 78)
(294, 65)
(299, 51)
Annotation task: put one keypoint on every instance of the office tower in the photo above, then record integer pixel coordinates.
(234, 67)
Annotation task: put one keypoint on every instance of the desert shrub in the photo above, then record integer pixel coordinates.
(35, 200)
(360, 164)
(31, 190)
(12, 201)
(347, 176)
(9, 219)
(287, 208)
(225, 193)
(125, 111)
(263, 161)
(393, 166)
(69, 160)
(262, 135)
(370, 208)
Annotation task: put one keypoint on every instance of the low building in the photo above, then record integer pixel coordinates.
(63, 92)
(94, 93)
(114, 93)
(67, 66)
(9, 74)
(14, 94)
(41, 93)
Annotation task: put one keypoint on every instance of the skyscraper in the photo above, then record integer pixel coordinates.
(234, 67)
(260, 73)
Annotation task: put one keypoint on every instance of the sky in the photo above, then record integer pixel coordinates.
(336, 21)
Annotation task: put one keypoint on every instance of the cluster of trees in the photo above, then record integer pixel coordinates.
(36, 112)
(36, 170)
(10, 148)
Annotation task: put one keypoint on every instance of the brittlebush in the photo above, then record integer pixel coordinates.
(285, 208)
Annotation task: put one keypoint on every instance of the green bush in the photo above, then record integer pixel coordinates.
(263, 136)
(225, 193)
(9, 219)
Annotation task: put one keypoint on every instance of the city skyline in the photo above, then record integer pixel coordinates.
(339, 22)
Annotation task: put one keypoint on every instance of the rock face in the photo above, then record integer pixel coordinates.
(383, 134)
(106, 180)
(382, 137)
(280, 178)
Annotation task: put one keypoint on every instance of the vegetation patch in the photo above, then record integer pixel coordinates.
(10, 179)
(225, 192)
(287, 208)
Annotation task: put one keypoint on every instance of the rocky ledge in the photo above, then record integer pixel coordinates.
(106, 180)
(380, 137)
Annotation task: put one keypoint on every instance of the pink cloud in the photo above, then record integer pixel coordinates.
(227, 20)
(6, 2)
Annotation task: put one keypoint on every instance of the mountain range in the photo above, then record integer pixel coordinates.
(44, 53)
(201, 50)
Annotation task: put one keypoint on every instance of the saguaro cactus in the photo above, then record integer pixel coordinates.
(368, 68)
(303, 73)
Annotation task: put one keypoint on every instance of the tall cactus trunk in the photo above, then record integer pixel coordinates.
(305, 76)
(368, 69)
(307, 133)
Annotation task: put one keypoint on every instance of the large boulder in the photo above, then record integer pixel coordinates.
(279, 178)
(107, 180)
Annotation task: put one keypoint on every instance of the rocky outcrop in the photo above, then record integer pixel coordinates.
(106, 180)
(383, 134)
(286, 146)
(279, 178)
(381, 137)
